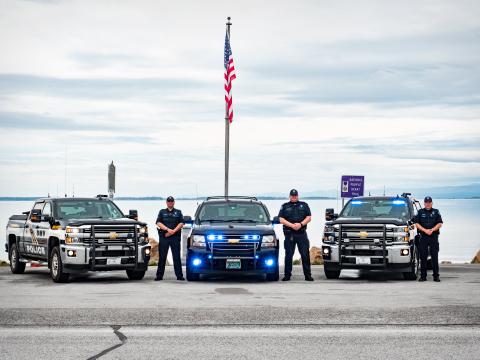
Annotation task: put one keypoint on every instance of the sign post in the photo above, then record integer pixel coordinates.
(352, 186)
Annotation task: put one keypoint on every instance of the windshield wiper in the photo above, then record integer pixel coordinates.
(211, 220)
(241, 220)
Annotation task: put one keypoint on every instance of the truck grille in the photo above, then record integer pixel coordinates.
(240, 249)
(111, 235)
(366, 234)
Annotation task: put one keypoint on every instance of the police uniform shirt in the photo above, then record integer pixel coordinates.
(428, 219)
(170, 218)
(294, 212)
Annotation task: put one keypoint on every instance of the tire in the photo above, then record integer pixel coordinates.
(16, 266)
(415, 264)
(331, 274)
(191, 276)
(135, 274)
(273, 276)
(56, 266)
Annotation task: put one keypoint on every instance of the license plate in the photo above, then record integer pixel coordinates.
(114, 261)
(362, 247)
(363, 260)
(234, 264)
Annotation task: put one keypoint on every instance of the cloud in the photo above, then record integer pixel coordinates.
(321, 90)
(110, 88)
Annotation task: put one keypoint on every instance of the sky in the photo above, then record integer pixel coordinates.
(388, 90)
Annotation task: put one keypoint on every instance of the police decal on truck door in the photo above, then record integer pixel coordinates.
(36, 233)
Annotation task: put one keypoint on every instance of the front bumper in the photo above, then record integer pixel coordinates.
(216, 264)
(79, 257)
(393, 259)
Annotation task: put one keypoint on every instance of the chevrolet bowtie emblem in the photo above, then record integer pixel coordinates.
(113, 235)
(363, 234)
(233, 241)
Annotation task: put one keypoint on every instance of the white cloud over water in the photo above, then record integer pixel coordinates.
(388, 90)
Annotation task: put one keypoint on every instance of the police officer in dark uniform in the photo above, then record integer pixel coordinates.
(295, 215)
(428, 222)
(169, 224)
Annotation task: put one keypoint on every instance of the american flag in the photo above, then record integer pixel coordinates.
(229, 76)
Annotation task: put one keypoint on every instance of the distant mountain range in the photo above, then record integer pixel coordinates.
(470, 191)
(441, 192)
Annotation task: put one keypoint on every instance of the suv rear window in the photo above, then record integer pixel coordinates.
(233, 212)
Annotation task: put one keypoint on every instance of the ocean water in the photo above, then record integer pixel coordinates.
(459, 239)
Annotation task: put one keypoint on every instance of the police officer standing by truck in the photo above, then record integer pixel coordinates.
(294, 216)
(428, 222)
(169, 224)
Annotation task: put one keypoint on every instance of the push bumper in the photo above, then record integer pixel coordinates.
(395, 258)
(79, 258)
(201, 261)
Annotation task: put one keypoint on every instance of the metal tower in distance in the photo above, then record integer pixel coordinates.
(111, 180)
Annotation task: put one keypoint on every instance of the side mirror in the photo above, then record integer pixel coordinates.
(329, 214)
(133, 214)
(187, 219)
(275, 220)
(36, 215)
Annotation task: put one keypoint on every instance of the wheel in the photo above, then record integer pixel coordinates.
(56, 266)
(415, 264)
(331, 274)
(273, 276)
(135, 274)
(191, 276)
(16, 266)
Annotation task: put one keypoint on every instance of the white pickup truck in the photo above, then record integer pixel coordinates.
(75, 235)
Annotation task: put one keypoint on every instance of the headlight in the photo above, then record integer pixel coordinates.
(72, 230)
(198, 240)
(143, 230)
(328, 229)
(400, 229)
(268, 241)
(401, 233)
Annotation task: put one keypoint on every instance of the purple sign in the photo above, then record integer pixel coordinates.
(352, 186)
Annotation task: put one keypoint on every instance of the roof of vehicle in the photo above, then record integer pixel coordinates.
(72, 198)
(381, 198)
(237, 199)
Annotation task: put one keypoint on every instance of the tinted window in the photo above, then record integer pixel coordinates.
(47, 209)
(230, 212)
(88, 209)
(38, 206)
(375, 208)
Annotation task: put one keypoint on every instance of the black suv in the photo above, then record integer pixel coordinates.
(232, 235)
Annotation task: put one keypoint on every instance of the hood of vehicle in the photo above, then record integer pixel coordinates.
(233, 228)
(122, 221)
(386, 221)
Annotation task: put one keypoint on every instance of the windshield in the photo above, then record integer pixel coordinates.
(233, 212)
(377, 208)
(88, 209)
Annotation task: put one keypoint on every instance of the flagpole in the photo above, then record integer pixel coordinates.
(227, 129)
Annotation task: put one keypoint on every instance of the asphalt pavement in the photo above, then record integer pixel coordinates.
(361, 315)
